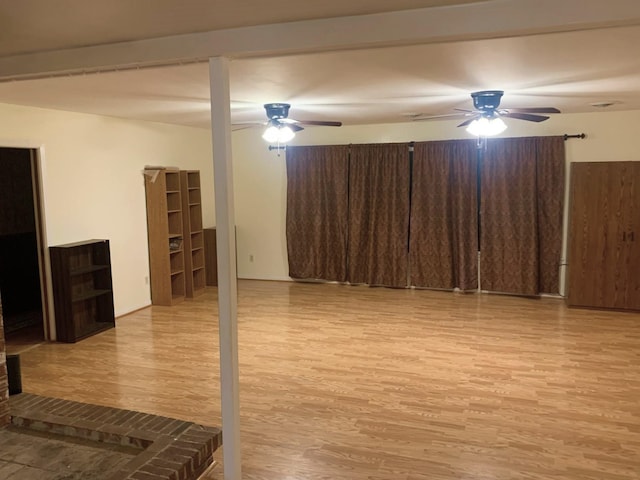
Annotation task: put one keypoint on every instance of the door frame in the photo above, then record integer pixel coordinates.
(37, 154)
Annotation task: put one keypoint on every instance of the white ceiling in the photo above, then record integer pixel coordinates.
(36, 25)
(569, 69)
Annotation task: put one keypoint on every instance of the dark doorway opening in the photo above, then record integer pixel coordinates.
(20, 270)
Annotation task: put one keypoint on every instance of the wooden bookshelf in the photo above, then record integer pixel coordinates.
(192, 233)
(165, 235)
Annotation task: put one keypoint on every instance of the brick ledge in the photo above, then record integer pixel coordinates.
(170, 449)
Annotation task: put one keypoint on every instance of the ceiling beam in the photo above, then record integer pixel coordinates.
(490, 19)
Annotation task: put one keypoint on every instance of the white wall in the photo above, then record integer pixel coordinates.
(260, 175)
(93, 185)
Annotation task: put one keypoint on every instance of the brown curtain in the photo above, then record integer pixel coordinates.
(443, 229)
(317, 199)
(516, 177)
(378, 214)
(550, 194)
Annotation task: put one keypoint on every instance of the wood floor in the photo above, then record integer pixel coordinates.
(343, 382)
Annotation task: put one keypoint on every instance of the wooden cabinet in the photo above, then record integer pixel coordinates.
(210, 256)
(193, 236)
(604, 235)
(165, 235)
(82, 289)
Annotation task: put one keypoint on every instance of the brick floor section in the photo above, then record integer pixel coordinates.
(170, 449)
(4, 380)
(28, 454)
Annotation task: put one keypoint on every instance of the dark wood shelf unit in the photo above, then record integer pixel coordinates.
(210, 257)
(87, 269)
(82, 289)
(89, 294)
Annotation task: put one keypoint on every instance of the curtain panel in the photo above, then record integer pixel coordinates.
(365, 214)
(550, 177)
(522, 185)
(316, 223)
(444, 211)
(379, 177)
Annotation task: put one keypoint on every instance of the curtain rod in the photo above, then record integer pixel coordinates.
(578, 135)
(566, 136)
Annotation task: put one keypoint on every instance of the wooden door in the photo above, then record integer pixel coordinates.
(598, 256)
(631, 237)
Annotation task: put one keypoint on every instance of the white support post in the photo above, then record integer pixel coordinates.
(227, 277)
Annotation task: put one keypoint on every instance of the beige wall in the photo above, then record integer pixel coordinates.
(93, 185)
(93, 188)
(260, 175)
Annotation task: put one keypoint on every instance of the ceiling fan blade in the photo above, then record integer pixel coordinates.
(534, 110)
(525, 116)
(249, 124)
(468, 121)
(243, 126)
(439, 117)
(321, 123)
(292, 124)
(463, 110)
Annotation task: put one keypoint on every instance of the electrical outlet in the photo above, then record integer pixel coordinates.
(146, 280)
(251, 258)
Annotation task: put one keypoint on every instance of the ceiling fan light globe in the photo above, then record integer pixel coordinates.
(285, 134)
(278, 134)
(271, 134)
(486, 127)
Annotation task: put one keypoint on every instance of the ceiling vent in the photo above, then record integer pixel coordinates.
(603, 104)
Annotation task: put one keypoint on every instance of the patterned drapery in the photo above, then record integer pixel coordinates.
(444, 235)
(378, 214)
(521, 215)
(317, 212)
(370, 214)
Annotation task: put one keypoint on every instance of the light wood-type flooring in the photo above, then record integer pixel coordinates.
(342, 382)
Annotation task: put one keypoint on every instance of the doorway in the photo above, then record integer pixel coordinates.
(21, 268)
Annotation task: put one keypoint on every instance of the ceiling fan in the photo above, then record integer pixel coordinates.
(485, 119)
(281, 128)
